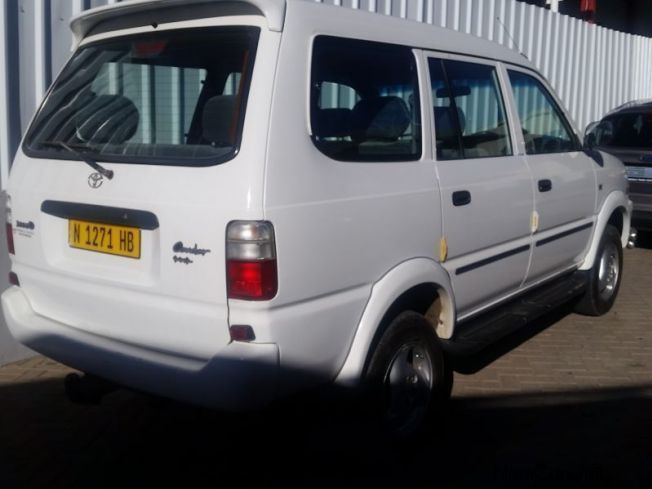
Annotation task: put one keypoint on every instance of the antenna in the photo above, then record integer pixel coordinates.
(511, 38)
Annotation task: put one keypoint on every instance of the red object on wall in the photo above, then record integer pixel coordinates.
(588, 6)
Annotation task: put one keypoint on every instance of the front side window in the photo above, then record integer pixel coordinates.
(469, 112)
(175, 97)
(364, 101)
(545, 129)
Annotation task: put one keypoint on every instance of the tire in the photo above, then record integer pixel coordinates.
(603, 281)
(407, 377)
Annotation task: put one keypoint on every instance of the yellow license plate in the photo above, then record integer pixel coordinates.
(104, 238)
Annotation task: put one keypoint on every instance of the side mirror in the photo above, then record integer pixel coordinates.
(599, 134)
(590, 142)
(590, 139)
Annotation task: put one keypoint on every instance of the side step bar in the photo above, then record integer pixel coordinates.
(475, 335)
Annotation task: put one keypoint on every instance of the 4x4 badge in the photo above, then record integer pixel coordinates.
(95, 180)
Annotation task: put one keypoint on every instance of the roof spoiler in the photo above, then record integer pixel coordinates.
(81, 25)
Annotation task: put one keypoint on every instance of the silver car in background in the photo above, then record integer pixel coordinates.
(626, 132)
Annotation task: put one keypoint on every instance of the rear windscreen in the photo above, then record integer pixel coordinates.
(175, 97)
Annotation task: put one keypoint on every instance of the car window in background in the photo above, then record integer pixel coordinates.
(628, 130)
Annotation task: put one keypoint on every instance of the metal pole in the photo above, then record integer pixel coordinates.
(5, 149)
(40, 53)
(9, 88)
(78, 6)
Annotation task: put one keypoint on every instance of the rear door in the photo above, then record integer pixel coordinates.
(139, 258)
(486, 189)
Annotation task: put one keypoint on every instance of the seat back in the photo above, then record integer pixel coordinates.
(107, 119)
(218, 119)
(380, 119)
(332, 123)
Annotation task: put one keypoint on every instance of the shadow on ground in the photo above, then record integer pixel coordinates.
(470, 364)
(597, 439)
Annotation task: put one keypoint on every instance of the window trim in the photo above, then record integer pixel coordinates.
(556, 103)
(416, 90)
(170, 161)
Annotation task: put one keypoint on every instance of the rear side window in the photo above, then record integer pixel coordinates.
(468, 110)
(545, 129)
(364, 101)
(170, 97)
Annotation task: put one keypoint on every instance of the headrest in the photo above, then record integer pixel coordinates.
(217, 120)
(332, 123)
(445, 123)
(380, 118)
(107, 119)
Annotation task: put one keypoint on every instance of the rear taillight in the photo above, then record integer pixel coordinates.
(9, 228)
(251, 272)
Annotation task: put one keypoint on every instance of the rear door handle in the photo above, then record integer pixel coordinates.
(545, 185)
(461, 197)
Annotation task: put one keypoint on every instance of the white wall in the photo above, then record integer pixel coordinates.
(592, 69)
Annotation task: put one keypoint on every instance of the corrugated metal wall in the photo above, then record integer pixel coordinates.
(593, 69)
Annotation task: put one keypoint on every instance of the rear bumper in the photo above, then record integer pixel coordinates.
(241, 376)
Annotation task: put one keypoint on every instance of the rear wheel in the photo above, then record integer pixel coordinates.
(605, 276)
(407, 375)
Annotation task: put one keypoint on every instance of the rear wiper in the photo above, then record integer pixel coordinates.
(84, 157)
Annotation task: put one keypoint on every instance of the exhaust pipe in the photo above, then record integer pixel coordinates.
(631, 242)
(87, 389)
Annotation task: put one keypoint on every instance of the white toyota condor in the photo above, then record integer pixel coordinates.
(229, 202)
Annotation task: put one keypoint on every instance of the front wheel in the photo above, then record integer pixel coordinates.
(605, 276)
(407, 375)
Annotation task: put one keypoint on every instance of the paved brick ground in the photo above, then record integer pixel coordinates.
(567, 403)
(580, 352)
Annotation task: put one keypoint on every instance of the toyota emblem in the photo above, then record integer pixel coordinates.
(95, 180)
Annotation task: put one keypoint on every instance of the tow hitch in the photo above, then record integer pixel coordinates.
(86, 388)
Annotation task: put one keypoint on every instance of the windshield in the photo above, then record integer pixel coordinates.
(627, 130)
(175, 97)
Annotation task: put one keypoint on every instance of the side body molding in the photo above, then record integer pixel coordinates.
(384, 293)
(615, 200)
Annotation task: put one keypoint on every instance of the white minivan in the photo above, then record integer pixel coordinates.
(229, 202)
